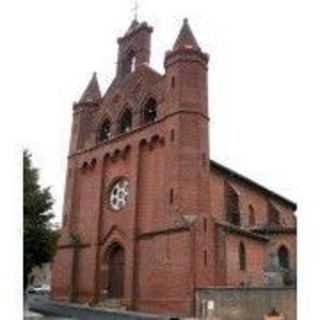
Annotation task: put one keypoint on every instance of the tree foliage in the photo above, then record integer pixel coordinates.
(39, 238)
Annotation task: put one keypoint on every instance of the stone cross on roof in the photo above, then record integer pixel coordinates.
(135, 10)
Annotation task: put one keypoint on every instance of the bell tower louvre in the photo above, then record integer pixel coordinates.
(144, 217)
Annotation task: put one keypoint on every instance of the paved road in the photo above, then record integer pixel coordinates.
(29, 315)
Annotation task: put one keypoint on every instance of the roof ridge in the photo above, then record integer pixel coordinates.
(256, 184)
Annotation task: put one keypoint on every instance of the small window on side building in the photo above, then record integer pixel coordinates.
(242, 257)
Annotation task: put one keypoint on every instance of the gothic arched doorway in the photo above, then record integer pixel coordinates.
(116, 264)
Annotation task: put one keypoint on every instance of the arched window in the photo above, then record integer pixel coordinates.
(104, 131)
(130, 62)
(150, 111)
(273, 215)
(125, 121)
(283, 256)
(232, 205)
(242, 257)
(252, 218)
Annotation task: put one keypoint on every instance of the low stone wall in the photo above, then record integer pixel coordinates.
(245, 303)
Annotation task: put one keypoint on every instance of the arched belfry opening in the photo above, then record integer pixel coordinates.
(125, 122)
(150, 111)
(104, 132)
(134, 48)
(116, 271)
(130, 62)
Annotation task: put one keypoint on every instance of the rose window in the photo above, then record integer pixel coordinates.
(119, 194)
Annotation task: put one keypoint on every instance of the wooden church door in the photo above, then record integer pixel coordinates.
(116, 272)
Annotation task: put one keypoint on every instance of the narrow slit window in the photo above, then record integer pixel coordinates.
(173, 82)
(133, 64)
(172, 135)
(171, 196)
(252, 218)
(242, 257)
(205, 258)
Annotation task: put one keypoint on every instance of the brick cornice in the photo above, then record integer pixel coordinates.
(243, 232)
(163, 231)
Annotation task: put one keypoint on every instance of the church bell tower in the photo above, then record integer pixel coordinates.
(137, 191)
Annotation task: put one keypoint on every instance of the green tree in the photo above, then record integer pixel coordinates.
(39, 239)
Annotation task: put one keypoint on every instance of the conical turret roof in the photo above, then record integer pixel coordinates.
(92, 92)
(186, 39)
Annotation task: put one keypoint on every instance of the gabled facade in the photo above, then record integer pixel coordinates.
(148, 218)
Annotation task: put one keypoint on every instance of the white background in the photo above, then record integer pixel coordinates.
(264, 77)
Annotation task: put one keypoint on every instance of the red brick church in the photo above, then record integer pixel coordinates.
(148, 217)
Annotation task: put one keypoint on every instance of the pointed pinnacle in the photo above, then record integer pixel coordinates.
(92, 92)
(186, 38)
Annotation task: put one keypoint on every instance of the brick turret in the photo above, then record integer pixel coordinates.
(187, 94)
(134, 48)
(186, 71)
(82, 113)
(186, 78)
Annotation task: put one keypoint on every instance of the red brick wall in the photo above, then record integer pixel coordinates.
(153, 192)
(227, 271)
(247, 196)
(88, 204)
(255, 261)
(85, 274)
(164, 281)
(62, 274)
